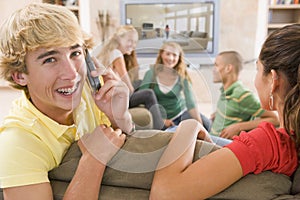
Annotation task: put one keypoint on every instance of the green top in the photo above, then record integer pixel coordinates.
(177, 100)
(236, 104)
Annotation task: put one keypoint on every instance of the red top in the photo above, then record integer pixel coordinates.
(265, 148)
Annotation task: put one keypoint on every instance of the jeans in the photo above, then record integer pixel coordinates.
(220, 141)
(147, 98)
(217, 140)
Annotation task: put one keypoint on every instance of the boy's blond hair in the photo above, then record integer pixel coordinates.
(36, 25)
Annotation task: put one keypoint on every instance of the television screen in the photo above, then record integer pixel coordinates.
(193, 24)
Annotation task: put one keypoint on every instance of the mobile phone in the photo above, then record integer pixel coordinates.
(93, 81)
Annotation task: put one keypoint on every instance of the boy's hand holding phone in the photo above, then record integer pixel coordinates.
(112, 97)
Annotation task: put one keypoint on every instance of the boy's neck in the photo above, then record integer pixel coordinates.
(228, 82)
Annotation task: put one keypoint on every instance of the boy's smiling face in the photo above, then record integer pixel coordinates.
(55, 79)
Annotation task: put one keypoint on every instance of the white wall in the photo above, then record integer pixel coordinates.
(8, 6)
(7, 95)
(243, 26)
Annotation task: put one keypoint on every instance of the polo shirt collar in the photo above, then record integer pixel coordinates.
(57, 129)
(231, 88)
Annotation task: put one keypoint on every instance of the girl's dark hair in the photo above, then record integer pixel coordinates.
(131, 61)
(281, 52)
(132, 66)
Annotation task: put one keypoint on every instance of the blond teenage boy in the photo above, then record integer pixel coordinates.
(43, 54)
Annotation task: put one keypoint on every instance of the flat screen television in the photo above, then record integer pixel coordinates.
(193, 24)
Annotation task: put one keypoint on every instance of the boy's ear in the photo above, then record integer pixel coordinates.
(229, 68)
(19, 78)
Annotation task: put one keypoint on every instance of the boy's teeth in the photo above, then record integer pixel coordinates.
(67, 90)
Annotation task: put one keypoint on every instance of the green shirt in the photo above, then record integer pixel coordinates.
(179, 99)
(236, 104)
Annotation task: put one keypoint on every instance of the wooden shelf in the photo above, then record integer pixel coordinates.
(74, 8)
(283, 14)
(285, 7)
(278, 25)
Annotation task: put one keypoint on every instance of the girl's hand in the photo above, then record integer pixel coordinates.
(204, 135)
(168, 123)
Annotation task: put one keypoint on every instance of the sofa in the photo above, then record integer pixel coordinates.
(129, 174)
(146, 33)
(191, 40)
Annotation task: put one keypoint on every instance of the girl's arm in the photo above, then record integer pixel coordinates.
(119, 68)
(178, 178)
(195, 114)
(190, 101)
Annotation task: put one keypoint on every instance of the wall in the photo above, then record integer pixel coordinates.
(8, 6)
(103, 5)
(7, 95)
(243, 26)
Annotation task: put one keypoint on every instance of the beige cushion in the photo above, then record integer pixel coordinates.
(142, 118)
(199, 34)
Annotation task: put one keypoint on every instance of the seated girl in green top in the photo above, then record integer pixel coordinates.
(172, 86)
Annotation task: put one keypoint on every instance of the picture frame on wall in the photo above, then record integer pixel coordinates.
(193, 24)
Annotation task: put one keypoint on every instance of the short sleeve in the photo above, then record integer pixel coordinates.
(265, 148)
(147, 80)
(114, 55)
(189, 95)
(31, 159)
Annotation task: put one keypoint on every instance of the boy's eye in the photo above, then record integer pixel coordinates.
(76, 53)
(49, 60)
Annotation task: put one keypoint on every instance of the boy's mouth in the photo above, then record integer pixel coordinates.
(68, 90)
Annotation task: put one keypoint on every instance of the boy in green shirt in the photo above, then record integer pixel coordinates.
(238, 109)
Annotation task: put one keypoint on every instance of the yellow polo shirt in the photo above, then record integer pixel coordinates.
(31, 144)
